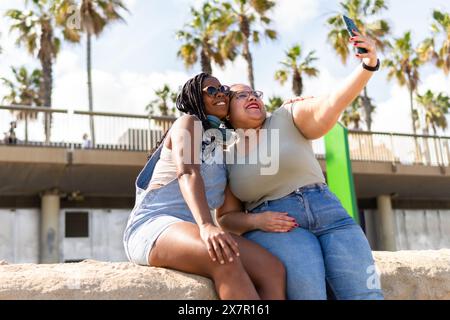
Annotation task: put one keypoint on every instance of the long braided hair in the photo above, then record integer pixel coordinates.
(190, 101)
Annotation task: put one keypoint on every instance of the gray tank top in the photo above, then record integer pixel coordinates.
(297, 164)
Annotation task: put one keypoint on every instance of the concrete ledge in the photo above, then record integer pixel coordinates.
(404, 275)
(415, 275)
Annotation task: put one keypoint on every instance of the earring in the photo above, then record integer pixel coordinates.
(228, 117)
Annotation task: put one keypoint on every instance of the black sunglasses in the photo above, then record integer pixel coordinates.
(213, 91)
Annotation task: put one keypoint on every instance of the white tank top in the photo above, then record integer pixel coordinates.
(165, 170)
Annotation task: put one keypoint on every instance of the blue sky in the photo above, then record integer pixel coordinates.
(131, 60)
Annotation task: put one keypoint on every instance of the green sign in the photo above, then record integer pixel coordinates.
(339, 169)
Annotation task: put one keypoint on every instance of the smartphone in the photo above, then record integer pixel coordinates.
(352, 26)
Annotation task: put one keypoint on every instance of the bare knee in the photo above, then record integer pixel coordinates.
(228, 270)
(272, 286)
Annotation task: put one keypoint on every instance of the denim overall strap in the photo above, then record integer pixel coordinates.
(146, 174)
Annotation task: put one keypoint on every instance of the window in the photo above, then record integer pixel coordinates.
(77, 224)
(74, 261)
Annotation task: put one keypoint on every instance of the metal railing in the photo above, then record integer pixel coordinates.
(113, 131)
(400, 148)
(395, 148)
(118, 131)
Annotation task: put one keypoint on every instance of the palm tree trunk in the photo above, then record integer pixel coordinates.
(205, 62)
(26, 127)
(412, 110)
(89, 84)
(297, 84)
(245, 28)
(46, 91)
(248, 57)
(416, 142)
(367, 109)
(45, 55)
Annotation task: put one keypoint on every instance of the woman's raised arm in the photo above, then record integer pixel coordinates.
(315, 117)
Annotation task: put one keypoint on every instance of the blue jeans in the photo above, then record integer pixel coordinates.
(328, 247)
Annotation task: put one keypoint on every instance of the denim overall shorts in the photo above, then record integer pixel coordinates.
(155, 210)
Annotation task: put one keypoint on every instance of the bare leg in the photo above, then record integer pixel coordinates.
(266, 270)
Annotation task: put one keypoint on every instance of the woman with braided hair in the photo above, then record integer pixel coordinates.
(171, 224)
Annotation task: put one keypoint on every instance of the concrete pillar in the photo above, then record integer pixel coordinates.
(49, 227)
(385, 224)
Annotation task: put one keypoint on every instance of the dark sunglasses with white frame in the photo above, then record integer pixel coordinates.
(213, 91)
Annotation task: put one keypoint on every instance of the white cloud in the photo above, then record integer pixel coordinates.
(394, 115)
(125, 92)
(436, 82)
(130, 4)
(234, 72)
(323, 84)
(290, 14)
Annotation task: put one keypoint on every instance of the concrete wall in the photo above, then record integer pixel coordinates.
(106, 229)
(415, 229)
(423, 229)
(19, 235)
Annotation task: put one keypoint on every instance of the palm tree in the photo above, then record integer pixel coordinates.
(24, 90)
(296, 67)
(94, 16)
(436, 108)
(245, 16)
(164, 102)
(403, 64)
(36, 32)
(274, 103)
(352, 114)
(201, 38)
(377, 29)
(428, 50)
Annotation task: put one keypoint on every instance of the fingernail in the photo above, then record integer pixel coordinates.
(222, 262)
(231, 259)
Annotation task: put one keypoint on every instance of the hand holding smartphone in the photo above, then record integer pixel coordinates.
(350, 24)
